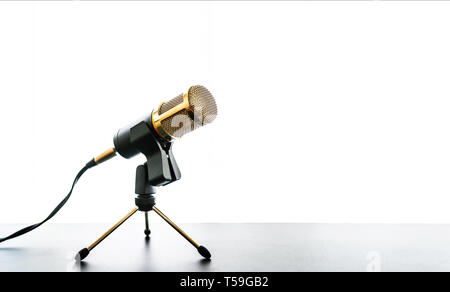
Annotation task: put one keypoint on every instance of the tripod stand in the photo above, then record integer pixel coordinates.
(145, 202)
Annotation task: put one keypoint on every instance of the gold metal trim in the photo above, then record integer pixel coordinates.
(176, 109)
(157, 126)
(157, 118)
(108, 154)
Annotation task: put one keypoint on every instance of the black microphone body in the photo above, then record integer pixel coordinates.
(125, 144)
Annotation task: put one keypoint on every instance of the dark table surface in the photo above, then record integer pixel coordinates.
(235, 247)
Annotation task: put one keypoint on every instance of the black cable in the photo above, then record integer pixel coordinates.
(90, 164)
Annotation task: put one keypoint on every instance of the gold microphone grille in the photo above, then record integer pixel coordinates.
(199, 109)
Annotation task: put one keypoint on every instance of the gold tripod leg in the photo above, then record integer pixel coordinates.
(85, 252)
(178, 229)
(201, 249)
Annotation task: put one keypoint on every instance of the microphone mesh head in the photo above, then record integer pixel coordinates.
(198, 109)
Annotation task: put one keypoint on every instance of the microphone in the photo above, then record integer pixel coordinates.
(152, 136)
(169, 121)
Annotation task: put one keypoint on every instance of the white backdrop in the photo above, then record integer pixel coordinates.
(328, 112)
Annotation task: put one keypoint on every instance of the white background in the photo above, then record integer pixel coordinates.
(328, 112)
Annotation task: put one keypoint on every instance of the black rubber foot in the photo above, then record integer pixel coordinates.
(83, 253)
(204, 252)
(147, 233)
